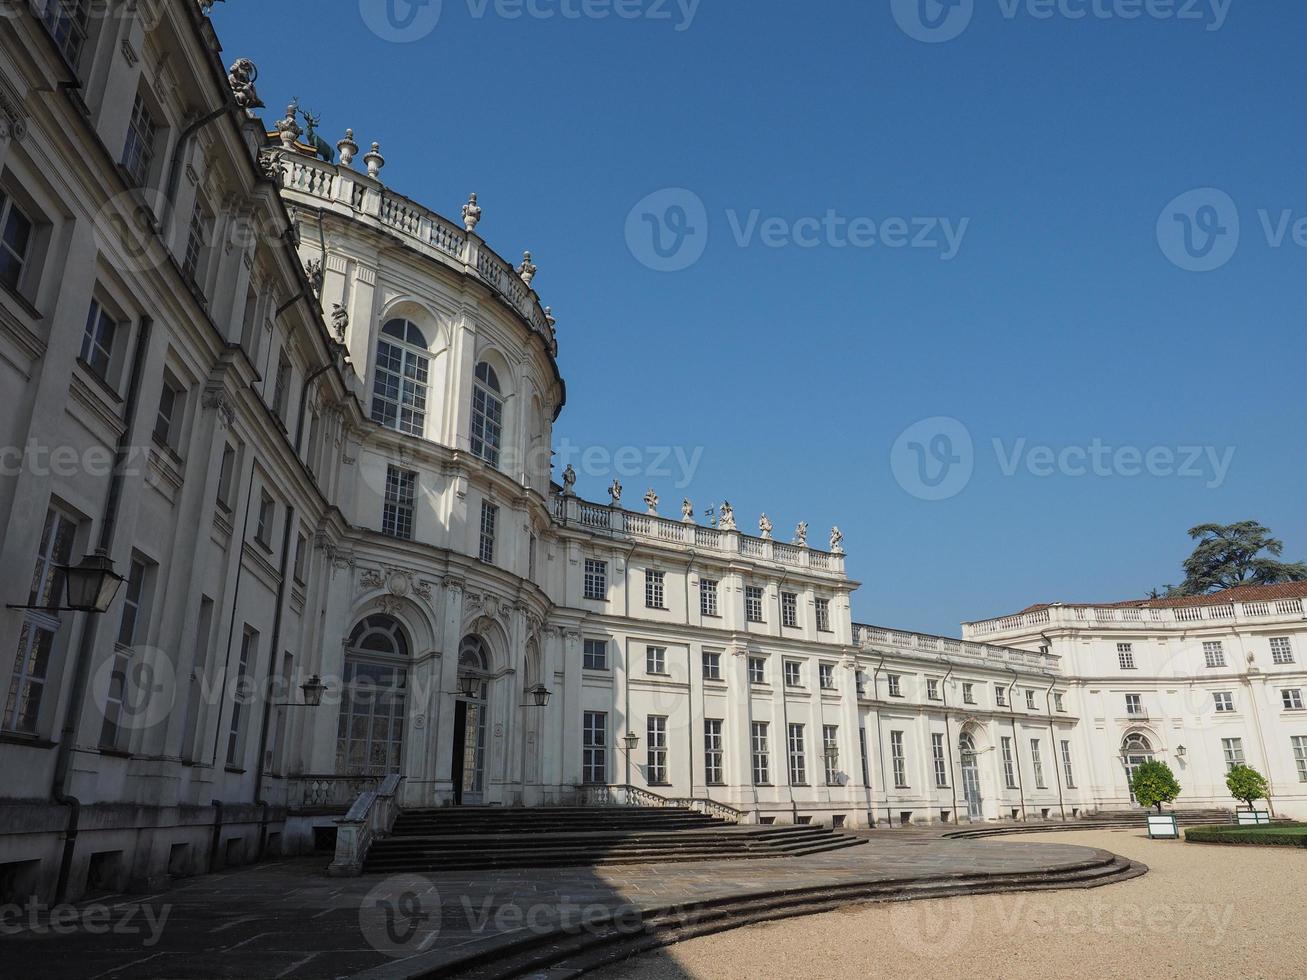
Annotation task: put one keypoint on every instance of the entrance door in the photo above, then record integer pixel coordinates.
(971, 777)
(468, 762)
(1135, 751)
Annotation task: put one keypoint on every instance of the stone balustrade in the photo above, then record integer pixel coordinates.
(876, 639)
(1139, 617)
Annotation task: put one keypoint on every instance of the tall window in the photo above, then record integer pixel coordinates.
(1134, 705)
(798, 757)
(895, 685)
(15, 241)
(1059, 702)
(167, 422)
(712, 666)
(1300, 756)
(941, 764)
(1037, 763)
(97, 340)
(826, 676)
(712, 752)
(708, 597)
(128, 629)
(932, 689)
(397, 511)
(227, 476)
(399, 388)
(594, 748)
(1009, 765)
(656, 757)
(370, 733)
(793, 673)
(1214, 653)
(487, 414)
(1232, 748)
(1125, 656)
(862, 751)
(1281, 651)
(196, 236)
(898, 760)
(789, 609)
(267, 515)
(596, 579)
(302, 558)
(830, 742)
(489, 518)
(654, 597)
(138, 151)
(39, 628)
(281, 386)
(655, 660)
(1030, 700)
(761, 754)
(1067, 771)
(823, 615)
(757, 670)
(595, 655)
(1000, 695)
(753, 604)
(67, 21)
(249, 652)
(968, 693)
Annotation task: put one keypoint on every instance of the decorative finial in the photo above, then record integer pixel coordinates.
(241, 76)
(836, 541)
(615, 491)
(288, 129)
(727, 520)
(569, 481)
(765, 526)
(347, 148)
(651, 502)
(801, 534)
(375, 161)
(526, 270)
(313, 268)
(339, 320)
(549, 317)
(687, 511)
(471, 214)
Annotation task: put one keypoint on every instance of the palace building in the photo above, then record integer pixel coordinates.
(308, 420)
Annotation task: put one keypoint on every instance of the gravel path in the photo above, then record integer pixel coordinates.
(1203, 910)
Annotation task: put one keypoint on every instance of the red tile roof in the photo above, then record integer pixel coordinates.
(1242, 593)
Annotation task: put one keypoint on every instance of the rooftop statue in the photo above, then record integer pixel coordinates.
(471, 214)
(241, 76)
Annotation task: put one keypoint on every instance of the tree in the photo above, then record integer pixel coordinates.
(1230, 555)
(1247, 785)
(1154, 784)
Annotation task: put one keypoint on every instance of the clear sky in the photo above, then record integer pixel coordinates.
(854, 231)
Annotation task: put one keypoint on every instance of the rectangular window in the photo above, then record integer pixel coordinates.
(830, 745)
(761, 754)
(1000, 695)
(823, 615)
(39, 628)
(895, 685)
(826, 676)
(1125, 656)
(654, 596)
(1281, 651)
(249, 651)
(489, 518)
(789, 609)
(595, 654)
(138, 152)
(596, 579)
(862, 750)
(302, 558)
(1134, 704)
(712, 666)
(656, 756)
(1214, 653)
(167, 423)
(968, 693)
(1232, 748)
(196, 235)
(1037, 762)
(1300, 756)
(860, 683)
(708, 597)
(1292, 698)
(594, 748)
(401, 496)
(713, 753)
(793, 674)
(655, 660)
(227, 477)
(1009, 764)
(1067, 771)
(898, 761)
(97, 340)
(133, 597)
(487, 415)
(68, 23)
(757, 670)
(1030, 700)
(1224, 701)
(15, 241)
(753, 604)
(267, 515)
(798, 761)
(129, 629)
(941, 764)
(1058, 703)
(932, 689)
(281, 386)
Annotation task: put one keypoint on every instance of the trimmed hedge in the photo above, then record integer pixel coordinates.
(1275, 835)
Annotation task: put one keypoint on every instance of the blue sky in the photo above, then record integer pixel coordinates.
(1066, 312)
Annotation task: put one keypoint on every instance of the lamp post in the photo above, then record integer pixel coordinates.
(630, 741)
(90, 586)
(832, 754)
(540, 695)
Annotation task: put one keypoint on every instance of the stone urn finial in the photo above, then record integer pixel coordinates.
(836, 541)
(288, 129)
(375, 161)
(527, 269)
(687, 511)
(471, 214)
(651, 502)
(765, 526)
(347, 148)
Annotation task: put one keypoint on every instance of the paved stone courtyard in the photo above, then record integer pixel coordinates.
(288, 919)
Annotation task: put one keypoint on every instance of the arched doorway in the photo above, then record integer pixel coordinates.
(971, 777)
(470, 710)
(370, 735)
(1135, 751)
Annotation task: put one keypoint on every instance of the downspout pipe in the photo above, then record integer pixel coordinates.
(86, 645)
(880, 739)
(948, 741)
(1016, 741)
(1052, 734)
(175, 168)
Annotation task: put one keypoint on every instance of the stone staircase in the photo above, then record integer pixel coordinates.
(1103, 820)
(484, 838)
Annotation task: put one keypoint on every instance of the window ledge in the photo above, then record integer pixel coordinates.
(22, 301)
(100, 382)
(19, 738)
(115, 753)
(235, 769)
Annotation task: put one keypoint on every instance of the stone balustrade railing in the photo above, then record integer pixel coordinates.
(876, 638)
(612, 521)
(363, 198)
(372, 815)
(1139, 617)
(326, 791)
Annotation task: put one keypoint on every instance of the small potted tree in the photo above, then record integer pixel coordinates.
(1154, 784)
(1248, 785)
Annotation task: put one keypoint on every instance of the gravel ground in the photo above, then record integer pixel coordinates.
(1203, 910)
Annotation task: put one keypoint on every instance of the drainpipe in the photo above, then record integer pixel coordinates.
(175, 167)
(880, 738)
(1016, 742)
(948, 742)
(86, 645)
(785, 709)
(1057, 761)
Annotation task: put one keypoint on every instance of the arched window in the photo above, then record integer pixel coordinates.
(1135, 751)
(487, 414)
(399, 389)
(370, 736)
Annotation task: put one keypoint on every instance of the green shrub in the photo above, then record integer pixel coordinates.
(1154, 784)
(1276, 835)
